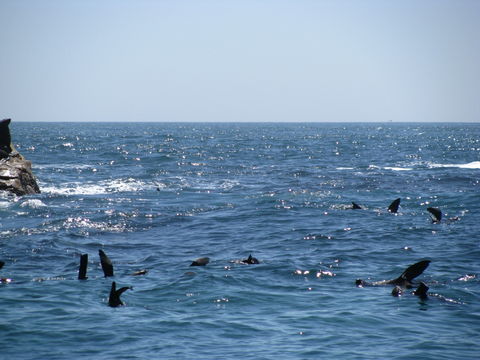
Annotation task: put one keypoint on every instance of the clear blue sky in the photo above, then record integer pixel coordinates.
(180, 60)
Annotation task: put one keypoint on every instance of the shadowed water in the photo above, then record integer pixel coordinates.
(157, 196)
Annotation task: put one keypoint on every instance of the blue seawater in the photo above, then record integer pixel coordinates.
(158, 195)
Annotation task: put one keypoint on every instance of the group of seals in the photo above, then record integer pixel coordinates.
(435, 213)
(107, 267)
(393, 207)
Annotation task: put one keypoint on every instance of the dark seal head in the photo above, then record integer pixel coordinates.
(200, 261)
(397, 291)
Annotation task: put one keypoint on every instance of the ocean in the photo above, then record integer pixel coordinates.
(156, 196)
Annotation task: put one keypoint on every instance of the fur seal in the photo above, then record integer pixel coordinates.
(421, 291)
(114, 298)
(404, 280)
(355, 206)
(82, 270)
(140, 272)
(250, 260)
(393, 207)
(4, 280)
(436, 215)
(107, 265)
(200, 261)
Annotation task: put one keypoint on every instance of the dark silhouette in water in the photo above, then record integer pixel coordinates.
(114, 298)
(404, 280)
(200, 261)
(393, 208)
(4, 280)
(436, 214)
(82, 270)
(355, 206)
(107, 265)
(421, 291)
(140, 272)
(250, 260)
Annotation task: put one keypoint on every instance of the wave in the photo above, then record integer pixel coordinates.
(470, 165)
(103, 187)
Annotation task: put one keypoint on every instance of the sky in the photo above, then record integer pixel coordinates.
(245, 60)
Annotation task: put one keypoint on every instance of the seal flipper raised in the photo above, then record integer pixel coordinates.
(114, 298)
(82, 270)
(393, 208)
(107, 265)
(421, 291)
(355, 206)
(411, 273)
(250, 260)
(436, 214)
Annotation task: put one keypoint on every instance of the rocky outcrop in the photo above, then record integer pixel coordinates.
(16, 175)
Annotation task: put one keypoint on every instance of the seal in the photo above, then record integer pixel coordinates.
(114, 298)
(436, 215)
(200, 261)
(250, 260)
(107, 265)
(404, 280)
(82, 270)
(355, 206)
(393, 207)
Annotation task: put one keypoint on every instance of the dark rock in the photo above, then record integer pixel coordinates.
(15, 172)
(16, 175)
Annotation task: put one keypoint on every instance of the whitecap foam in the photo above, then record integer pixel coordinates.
(397, 168)
(102, 187)
(470, 165)
(33, 203)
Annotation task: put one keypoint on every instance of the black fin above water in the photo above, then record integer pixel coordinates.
(435, 213)
(114, 298)
(413, 271)
(2, 263)
(200, 261)
(355, 206)
(107, 265)
(82, 271)
(393, 208)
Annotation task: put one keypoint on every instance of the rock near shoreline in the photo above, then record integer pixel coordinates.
(16, 176)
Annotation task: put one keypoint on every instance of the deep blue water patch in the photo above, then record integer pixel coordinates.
(158, 195)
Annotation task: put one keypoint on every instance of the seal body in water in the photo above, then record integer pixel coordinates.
(404, 280)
